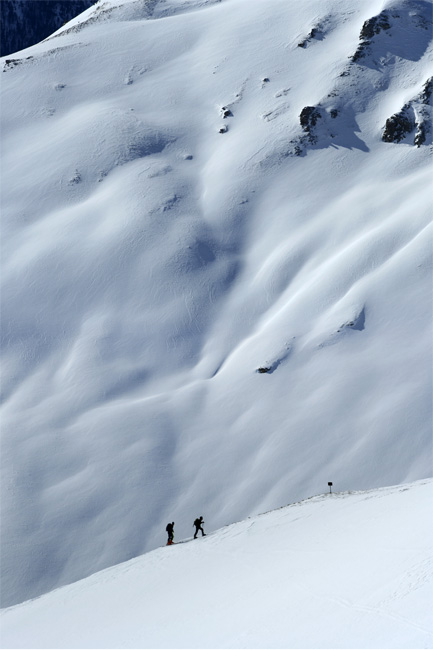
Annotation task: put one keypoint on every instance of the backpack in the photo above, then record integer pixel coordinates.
(197, 523)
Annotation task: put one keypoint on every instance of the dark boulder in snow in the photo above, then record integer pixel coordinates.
(397, 127)
(415, 114)
(316, 33)
(308, 117)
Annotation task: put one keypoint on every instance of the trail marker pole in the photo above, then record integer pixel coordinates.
(330, 487)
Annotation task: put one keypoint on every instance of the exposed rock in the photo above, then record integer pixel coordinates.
(76, 178)
(316, 33)
(374, 26)
(424, 113)
(421, 134)
(11, 63)
(398, 126)
(370, 28)
(308, 117)
(415, 114)
(361, 51)
(427, 91)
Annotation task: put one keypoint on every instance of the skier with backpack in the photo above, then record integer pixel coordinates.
(170, 533)
(199, 526)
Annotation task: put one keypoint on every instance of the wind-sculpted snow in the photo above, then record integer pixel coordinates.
(216, 274)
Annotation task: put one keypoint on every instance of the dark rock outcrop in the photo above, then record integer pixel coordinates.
(308, 119)
(416, 114)
(427, 91)
(398, 126)
(370, 28)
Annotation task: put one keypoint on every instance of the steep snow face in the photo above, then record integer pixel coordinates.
(335, 571)
(216, 270)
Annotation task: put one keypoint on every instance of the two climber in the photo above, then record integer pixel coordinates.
(198, 523)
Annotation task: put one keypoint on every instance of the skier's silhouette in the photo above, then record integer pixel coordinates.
(198, 526)
(170, 532)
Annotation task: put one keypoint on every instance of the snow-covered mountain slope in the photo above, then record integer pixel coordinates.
(216, 270)
(335, 571)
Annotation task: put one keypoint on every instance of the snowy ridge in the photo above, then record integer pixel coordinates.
(335, 571)
(216, 272)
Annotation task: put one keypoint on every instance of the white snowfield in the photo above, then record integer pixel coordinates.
(217, 323)
(345, 570)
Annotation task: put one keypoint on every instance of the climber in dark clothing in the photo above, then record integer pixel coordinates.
(198, 526)
(170, 532)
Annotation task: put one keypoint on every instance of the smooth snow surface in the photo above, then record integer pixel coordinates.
(151, 265)
(335, 571)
